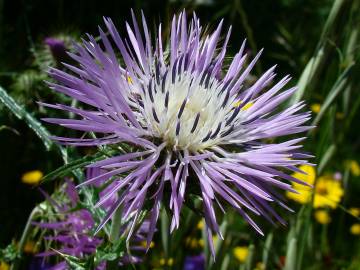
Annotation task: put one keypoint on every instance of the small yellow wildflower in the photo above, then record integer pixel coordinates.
(32, 177)
(30, 247)
(355, 229)
(315, 108)
(191, 242)
(168, 262)
(201, 242)
(200, 225)
(260, 266)
(246, 106)
(354, 211)
(144, 244)
(322, 216)
(241, 253)
(4, 266)
(328, 191)
(304, 195)
(354, 167)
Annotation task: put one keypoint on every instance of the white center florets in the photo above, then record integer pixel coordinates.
(189, 111)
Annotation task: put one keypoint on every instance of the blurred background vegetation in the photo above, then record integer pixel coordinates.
(317, 42)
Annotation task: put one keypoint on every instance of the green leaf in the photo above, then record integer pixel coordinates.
(290, 263)
(267, 248)
(32, 122)
(315, 64)
(311, 68)
(326, 158)
(72, 166)
(22, 114)
(250, 258)
(338, 86)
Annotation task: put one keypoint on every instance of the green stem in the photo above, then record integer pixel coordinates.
(114, 236)
(24, 237)
(165, 236)
(115, 226)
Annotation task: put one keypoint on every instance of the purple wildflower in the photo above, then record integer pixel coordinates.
(187, 117)
(71, 230)
(195, 262)
(72, 233)
(57, 48)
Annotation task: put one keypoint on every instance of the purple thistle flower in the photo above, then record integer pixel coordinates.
(57, 48)
(188, 117)
(72, 233)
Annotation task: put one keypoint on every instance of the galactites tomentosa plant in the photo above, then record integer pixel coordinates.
(193, 124)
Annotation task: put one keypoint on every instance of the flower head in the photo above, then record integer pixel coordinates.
(328, 191)
(32, 177)
(241, 253)
(194, 126)
(322, 216)
(354, 167)
(57, 48)
(354, 211)
(355, 229)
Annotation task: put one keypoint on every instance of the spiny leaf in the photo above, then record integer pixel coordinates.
(72, 166)
(33, 123)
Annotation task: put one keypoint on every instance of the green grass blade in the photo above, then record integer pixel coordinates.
(290, 263)
(338, 86)
(267, 248)
(326, 158)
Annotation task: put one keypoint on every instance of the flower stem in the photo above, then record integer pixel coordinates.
(116, 226)
(15, 265)
(114, 236)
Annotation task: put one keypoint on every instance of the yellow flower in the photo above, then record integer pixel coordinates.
(168, 262)
(315, 108)
(304, 195)
(144, 244)
(354, 167)
(260, 266)
(328, 191)
(200, 225)
(241, 253)
(30, 247)
(192, 242)
(32, 177)
(246, 106)
(355, 229)
(201, 242)
(4, 266)
(322, 216)
(354, 211)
